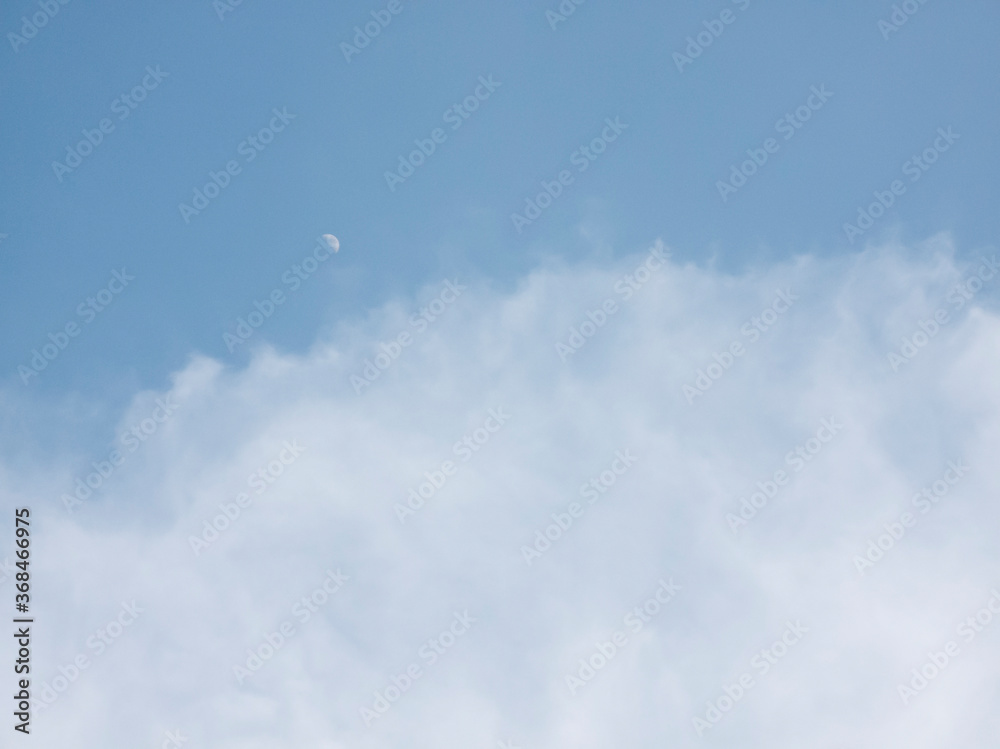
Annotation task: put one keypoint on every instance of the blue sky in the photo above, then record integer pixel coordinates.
(686, 324)
(325, 172)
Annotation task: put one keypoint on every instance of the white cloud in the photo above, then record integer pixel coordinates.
(332, 508)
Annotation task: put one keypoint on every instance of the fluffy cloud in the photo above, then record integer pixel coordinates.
(491, 510)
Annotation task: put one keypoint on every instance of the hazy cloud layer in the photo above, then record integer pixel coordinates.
(458, 599)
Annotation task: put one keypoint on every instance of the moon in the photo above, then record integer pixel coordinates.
(332, 241)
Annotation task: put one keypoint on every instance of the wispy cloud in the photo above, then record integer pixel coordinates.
(663, 519)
